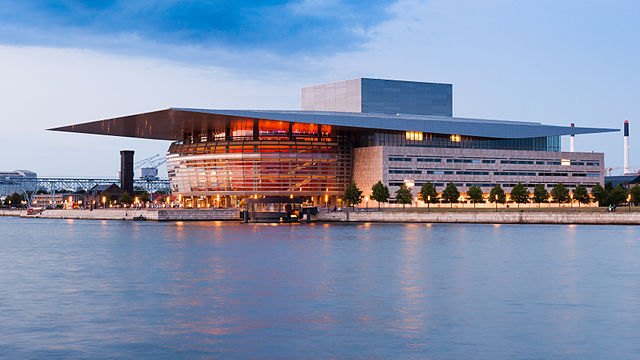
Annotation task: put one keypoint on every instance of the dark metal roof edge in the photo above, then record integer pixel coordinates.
(272, 115)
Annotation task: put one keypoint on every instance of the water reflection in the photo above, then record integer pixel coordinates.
(213, 289)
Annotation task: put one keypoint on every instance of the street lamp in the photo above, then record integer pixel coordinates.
(428, 202)
(629, 201)
(571, 196)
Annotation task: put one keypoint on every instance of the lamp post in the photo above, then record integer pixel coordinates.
(571, 196)
(629, 202)
(428, 202)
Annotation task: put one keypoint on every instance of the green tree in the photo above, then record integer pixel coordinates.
(15, 199)
(635, 194)
(450, 194)
(380, 193)
(608, 186)
(560, 194)
(474, 194)
(125, 198)
(581, 195)
(403, 196)
(144, 197)
(600, 194)
(353, 195)
(618, 195)
(428, 191)
(497, 195)
(540, 194)
(520, 194)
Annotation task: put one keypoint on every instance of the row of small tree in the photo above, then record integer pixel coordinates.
(14, 199)
(519, 194)
(126, 198)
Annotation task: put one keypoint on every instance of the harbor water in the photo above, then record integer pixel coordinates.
(121, 289)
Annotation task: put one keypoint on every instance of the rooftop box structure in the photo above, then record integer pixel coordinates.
(365, 95)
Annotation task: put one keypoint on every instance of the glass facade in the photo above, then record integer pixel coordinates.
(264, 167)
(412, 138)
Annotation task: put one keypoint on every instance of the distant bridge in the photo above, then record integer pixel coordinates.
(29, 186)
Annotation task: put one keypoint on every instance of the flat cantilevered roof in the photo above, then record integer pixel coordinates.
(172, 123)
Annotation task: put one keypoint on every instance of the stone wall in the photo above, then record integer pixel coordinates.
(604, 218)
(476, 156)
(367, 168)
(129, 214)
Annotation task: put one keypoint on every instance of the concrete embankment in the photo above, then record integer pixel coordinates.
(130, 214)
(619, 218)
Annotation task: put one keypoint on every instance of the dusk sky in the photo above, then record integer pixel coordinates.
(65, 62)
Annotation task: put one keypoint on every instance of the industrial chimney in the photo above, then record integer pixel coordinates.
(572, 140)
(626, 147)
(126, 171)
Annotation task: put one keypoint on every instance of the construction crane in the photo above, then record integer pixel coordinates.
(149, 166)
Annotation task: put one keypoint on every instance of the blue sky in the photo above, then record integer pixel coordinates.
(64, 62)
(284, 27)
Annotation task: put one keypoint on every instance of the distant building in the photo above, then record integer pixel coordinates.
(57, 200)
(361, 130)
(95, 194)
(8, 179)
(626, 181)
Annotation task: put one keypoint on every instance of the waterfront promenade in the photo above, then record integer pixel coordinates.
(594, 216)
(131, 214)
(485, 216)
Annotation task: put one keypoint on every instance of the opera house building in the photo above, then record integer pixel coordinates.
(362, 130)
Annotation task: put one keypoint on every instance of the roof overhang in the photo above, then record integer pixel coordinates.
(173, 123)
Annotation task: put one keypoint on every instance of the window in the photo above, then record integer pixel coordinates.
(519, 162)
(413, 135)
(552, 174)
(440, 172)
(472, 172)
(514, 173)
(404, 171)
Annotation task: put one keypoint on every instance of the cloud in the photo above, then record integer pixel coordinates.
(48, 87)
(507, 60)
(191, 31)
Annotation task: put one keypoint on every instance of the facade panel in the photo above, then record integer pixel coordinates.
(379, 96)
(484, 168)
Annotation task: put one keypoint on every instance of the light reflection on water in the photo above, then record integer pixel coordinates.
(97, 289)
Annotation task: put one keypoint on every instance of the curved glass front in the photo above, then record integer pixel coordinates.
(271, 167)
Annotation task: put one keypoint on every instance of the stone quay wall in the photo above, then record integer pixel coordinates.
(618, 218)
(130, 214)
